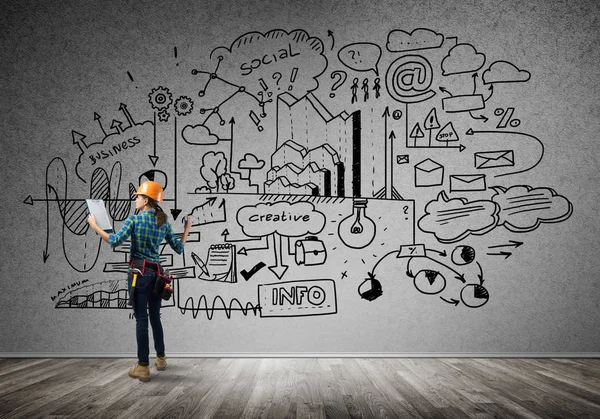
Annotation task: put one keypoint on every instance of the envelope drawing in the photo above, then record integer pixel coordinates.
(429, 173)
(402, 159)
(467, 183)
(490, 159)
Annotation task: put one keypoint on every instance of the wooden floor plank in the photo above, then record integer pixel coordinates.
(548, 388)
(261, 397)
(333, 400)
(333, 388)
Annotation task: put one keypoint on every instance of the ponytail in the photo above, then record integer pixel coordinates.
(161, 216)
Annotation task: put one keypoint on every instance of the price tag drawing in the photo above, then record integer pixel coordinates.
(411, 251)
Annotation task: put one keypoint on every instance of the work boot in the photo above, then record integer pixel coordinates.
(140, 372)
(161, 363)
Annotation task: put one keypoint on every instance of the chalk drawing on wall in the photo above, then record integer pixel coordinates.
(299, 162)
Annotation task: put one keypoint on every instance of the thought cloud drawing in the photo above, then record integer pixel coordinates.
(420, 38)
(296, 59)
(291, 220)
(124, 145)
(523, 208)
(451, 220)
(198, 134)
(361, 56)
(250, 162)
(462, 58)
(504, 72)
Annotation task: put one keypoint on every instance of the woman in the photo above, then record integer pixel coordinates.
(147, 231)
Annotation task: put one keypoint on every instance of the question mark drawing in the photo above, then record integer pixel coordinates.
(340, 80)
(277, 76)
(405, 208)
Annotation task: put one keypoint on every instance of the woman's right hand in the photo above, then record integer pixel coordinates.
(187, 223)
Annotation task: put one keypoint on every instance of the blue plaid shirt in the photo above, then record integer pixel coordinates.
(147, 236)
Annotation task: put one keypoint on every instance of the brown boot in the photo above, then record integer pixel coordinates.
(161, 363)
(140, 372)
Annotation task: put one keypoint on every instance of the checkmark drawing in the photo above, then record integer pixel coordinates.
(247, 275)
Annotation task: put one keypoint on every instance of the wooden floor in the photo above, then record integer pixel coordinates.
(303, 388)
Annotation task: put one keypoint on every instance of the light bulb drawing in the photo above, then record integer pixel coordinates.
(357, 231)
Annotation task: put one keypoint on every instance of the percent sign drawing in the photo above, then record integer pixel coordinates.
(506, 118)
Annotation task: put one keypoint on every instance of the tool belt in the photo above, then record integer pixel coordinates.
(143, 264)
(163, 283)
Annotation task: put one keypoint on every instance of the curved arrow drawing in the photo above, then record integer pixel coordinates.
(459, 276)
(472, 132)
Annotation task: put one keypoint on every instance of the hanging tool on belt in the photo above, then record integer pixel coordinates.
(135, 273)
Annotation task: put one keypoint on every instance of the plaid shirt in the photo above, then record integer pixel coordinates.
(148, 236)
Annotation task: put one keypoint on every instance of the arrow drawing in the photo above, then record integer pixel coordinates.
(452, 301)
(123, 108)
(480, 275)
(226, 233)
(153, 157)
(483, 117)
(444, 90)
(459, 276)
(505, 254)
(442, 254)
(175, 211)
(117, 125)
(98, 118)
(279, 268)
(512, 243)
(473, 132)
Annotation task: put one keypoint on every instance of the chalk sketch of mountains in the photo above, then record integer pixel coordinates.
(291, 101)
(313, 148)
(299, 168)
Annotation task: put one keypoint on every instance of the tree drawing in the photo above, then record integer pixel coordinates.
(214, 165)
(227, 182)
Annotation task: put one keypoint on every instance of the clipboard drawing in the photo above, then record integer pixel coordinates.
(220, 264)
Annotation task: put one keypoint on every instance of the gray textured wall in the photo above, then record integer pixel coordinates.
(70, 71)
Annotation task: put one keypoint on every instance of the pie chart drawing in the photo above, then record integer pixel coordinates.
(429, 282)
(474, 295)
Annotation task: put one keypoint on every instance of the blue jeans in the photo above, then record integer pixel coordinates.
(147, 304)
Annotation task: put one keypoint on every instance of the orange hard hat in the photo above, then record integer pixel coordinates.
(151, 189)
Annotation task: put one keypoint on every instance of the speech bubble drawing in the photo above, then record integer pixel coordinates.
(361, 56)
(259, 61)
(452, 220)
(523, 208)
(291, 220)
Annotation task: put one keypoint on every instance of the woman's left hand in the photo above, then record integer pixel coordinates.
(92, 220)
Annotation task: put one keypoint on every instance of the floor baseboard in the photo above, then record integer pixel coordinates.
(313, 355)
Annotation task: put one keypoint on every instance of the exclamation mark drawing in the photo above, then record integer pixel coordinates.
(130, 77)
(256, 120)
(293, 77)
